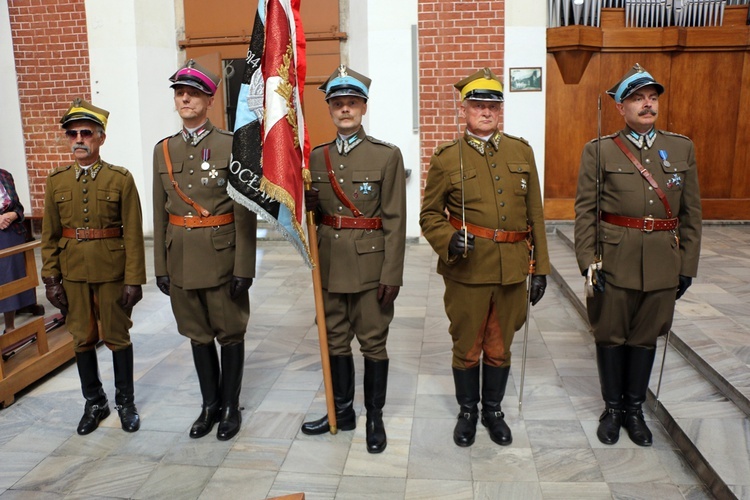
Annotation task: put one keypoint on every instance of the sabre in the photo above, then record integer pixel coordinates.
(461, 171)
(532, 269)
(661, 370)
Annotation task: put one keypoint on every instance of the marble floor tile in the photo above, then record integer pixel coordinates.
(238, 483)
(503, 463)
(567, 465)
(113, 477)
(257, 453)
(315, 486)
(435, 489)
(569, 491)
(56, 474)
(175, 481)
(630, 466)
(317, 457)
(370, 488)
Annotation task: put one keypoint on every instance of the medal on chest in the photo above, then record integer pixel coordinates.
(206, 155)
(663, 156)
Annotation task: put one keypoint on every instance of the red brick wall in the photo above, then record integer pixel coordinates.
(52, 62)
(456, 38)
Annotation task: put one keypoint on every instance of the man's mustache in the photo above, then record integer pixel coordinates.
(81, 146)
(646, 112)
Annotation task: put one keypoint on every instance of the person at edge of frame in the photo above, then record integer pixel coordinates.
(204, 249)
(93, 261)
(490, 176)
(361, 213)
(649, 234)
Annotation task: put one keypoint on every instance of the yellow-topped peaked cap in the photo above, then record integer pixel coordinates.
(481, 86)
(635, 79)
(84, 110)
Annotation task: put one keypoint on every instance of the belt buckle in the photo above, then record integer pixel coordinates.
(494, 235)
(338, 220)
(646, 221)
(79, 238)
(184, 220)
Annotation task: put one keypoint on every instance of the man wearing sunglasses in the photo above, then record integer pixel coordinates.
(94, 261)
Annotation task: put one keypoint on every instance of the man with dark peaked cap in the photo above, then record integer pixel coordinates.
(492, 178)
(649, 234)
(93, 261)
(204, 249)
(361, 237)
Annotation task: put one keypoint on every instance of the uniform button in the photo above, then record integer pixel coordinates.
(648, 160)
(490, 153)
(85, 219)
(341, 181)
(191, 171)
(520, 169)
(493, 165)
(190, 186)
(339, 209)
(62, 198)
(499, 191)
(675, 170)
(85, 190)
(650, 188)
(502, 203)
(336, 236)
(650, 202)
(341, 167)
(107, 197)
(85, 210)
(503, 218)
(191, 157)
(619, 170)
(367, 178)
(85, 200)
(188, 228)
(85, 181)
(497, 177)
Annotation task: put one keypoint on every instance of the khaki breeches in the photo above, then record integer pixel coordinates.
(94, 312)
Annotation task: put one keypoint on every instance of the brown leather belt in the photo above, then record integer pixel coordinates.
(86, 233)
(645, 224)
(341, 222)
(496, 235)
(195, 221)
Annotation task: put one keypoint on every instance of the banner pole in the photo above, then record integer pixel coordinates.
(320, 317)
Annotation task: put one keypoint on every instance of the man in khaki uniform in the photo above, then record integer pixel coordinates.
(204, 249)
(492, 177)
(94, 261)
(361, 239)
(649, 237)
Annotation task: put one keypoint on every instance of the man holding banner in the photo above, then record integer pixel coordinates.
(359, 195)
(204, 248)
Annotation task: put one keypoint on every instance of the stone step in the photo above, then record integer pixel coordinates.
(699, 404)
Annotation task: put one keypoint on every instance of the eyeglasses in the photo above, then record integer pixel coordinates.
(85, 133)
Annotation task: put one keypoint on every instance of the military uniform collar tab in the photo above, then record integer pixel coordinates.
(480, 145)
(92, 170)
(641, 140)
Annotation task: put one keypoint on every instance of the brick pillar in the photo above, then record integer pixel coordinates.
(50, 46)
(456, 38)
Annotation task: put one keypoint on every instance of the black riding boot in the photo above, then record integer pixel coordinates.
(342, 375)
(640, 360)
(376, 382)
(232, 365)
(494, 380)
(611, 363)
(122, 362)
(209, 377)
(97, 407)
(467, 395)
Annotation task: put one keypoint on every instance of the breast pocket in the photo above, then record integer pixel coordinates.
(520, 172)
(108, 204)
(675, 175)
(366, 185)
(619, 177)
(64, 201)
(470, 187)
(218, 175)
(166, 181)
(323, 185)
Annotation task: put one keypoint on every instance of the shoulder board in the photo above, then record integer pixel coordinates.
(324, 144)
(516, 138)
(121, 170)
(610, 136)
(445, 146)
(168, 137)
(674, 134)
(57, 170)
(378, 141)
(222, 131)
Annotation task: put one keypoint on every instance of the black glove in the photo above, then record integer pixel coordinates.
(239, 286)
(538, 285)
(131, 295)
(311, 199)
(387, 294)
(685, 282)
(457, 244)
(599, 281)
(162, 282)
(55, 292)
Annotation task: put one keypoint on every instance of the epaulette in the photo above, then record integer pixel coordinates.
(324, 144)
(57, 170)
(222, 131)
(673, 134)
(378, 141)
(610, 136)
(121, 170)
(445, 146)
(168, 137)
(516, 138)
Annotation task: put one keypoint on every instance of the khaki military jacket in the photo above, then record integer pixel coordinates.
(200, 257)
(108, 200)
(501, 191)
(632, 258)
(372, 176)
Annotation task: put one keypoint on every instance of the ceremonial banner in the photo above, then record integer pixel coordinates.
(270, 146)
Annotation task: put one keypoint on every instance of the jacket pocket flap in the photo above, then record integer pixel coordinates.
(676, 166)
(61, 196)
(370, 245)
(366, 176)
(619, 167)
(468, 174)
(107, 195)
(519, 167)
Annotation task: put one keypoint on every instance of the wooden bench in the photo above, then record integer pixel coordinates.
(51, 349)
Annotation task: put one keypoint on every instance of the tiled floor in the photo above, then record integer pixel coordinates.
(555, 452)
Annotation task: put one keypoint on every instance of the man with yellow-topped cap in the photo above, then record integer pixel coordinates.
(93, 261)
(204, 249)
(359, 196)
(649, 234)
(487, 182)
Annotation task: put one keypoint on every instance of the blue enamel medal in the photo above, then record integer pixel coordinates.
(663, 156)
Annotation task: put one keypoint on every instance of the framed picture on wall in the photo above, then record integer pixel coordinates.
(525, 79)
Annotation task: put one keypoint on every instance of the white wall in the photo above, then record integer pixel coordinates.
(133, 51)
(11, 132)
(379, 46)
(526, 46)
